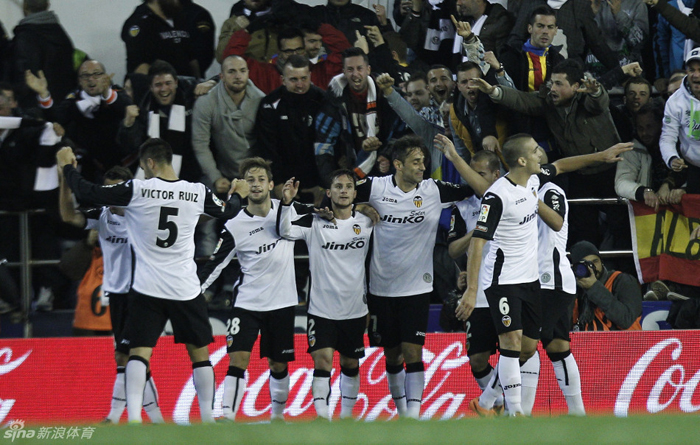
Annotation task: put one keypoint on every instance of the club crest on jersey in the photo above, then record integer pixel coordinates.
(427, 278)
(229, 340)
(484, 215)
(312, 341)
(546, 277)
(418, 201)
(506, 320)
(134, 31)
(356, 228)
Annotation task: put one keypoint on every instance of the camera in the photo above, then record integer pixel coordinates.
(583, 268)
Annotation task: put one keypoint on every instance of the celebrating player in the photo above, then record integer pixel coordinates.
(337, 314)
(264, 295)
(161, 213)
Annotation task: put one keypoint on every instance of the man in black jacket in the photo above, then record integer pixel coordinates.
(40, 43)
(286, 130)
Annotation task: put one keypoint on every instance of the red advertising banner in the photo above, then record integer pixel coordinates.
(661, 241)
(69, 380)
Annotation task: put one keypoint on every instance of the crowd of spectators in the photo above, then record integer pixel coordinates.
(314, 89)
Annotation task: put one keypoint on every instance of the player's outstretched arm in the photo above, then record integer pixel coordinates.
(573, 163)
(475, 181)
(86, 191)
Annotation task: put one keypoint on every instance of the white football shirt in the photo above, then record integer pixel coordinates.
(402, 255)
(267, 280)
(555, 269)
(337, 253)
(116, 250)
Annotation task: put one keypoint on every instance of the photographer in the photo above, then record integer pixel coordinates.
(606, 300)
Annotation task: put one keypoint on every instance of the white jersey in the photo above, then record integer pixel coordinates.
(402, 256)
(337, 253)
(463, 221)
(554, 266)
(161, 216)
(509, 219)
(267, 280)
(116, 250)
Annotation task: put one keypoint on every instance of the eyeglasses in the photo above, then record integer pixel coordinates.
(87, 76)
(289, 52)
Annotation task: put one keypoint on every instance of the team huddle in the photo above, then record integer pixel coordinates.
(518, 282)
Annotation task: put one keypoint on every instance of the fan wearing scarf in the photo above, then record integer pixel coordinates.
(355, 125)
(166, 113)
(91, 115)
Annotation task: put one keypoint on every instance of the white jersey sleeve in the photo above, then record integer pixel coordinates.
(554, 267)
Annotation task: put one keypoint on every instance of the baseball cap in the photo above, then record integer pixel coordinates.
(693, 55)
(583, 249)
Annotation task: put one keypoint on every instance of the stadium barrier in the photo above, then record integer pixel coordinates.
(69, 380)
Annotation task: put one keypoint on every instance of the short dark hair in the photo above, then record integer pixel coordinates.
(541, 10)
(405, 145)
(636, 81)
(677, 74)
(289, 33)
(32, 6)
(418, 75)
(118, 172)
(437, 66)
(342, 172)
(513, 148)
(571, 68)
(396, 43)
(354, 52)
(491, 159)
(158, 150)
(296, 61)
(651, 108)
(466, 66)
(256, 162)
(160, 67)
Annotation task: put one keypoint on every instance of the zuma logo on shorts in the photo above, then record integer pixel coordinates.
(506, 321)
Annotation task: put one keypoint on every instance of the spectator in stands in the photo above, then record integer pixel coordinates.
(440, 83)
(200, 25)
(355, 122)
(166, 113)
(223, 123)
(156, 30)
(674, 83)
(4, 55)
(669, 40)
(491, 22)
(286, 129)
(637, 94)
(576, 111)
(417, 93)
(578, 34)
(91, 116)
(475, 120)
(347, 17)
(428, 32)
(263, 19)
(41, 44)
(625, 27)
(688, 25)
(682, 125)
(643, 175)
(267, 76)
(606, 300)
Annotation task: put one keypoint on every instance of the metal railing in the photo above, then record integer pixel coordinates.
(26, 263)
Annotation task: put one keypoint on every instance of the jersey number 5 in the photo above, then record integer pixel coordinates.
(170, 226)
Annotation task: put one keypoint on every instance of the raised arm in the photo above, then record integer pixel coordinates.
(475, 181)
(611, 155)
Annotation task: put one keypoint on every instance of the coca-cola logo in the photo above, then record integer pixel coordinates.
(670, 384)
(7, 365)
(256, 402)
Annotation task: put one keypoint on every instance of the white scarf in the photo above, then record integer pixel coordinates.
(337, 85)
(88, 104)
(556, 4)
